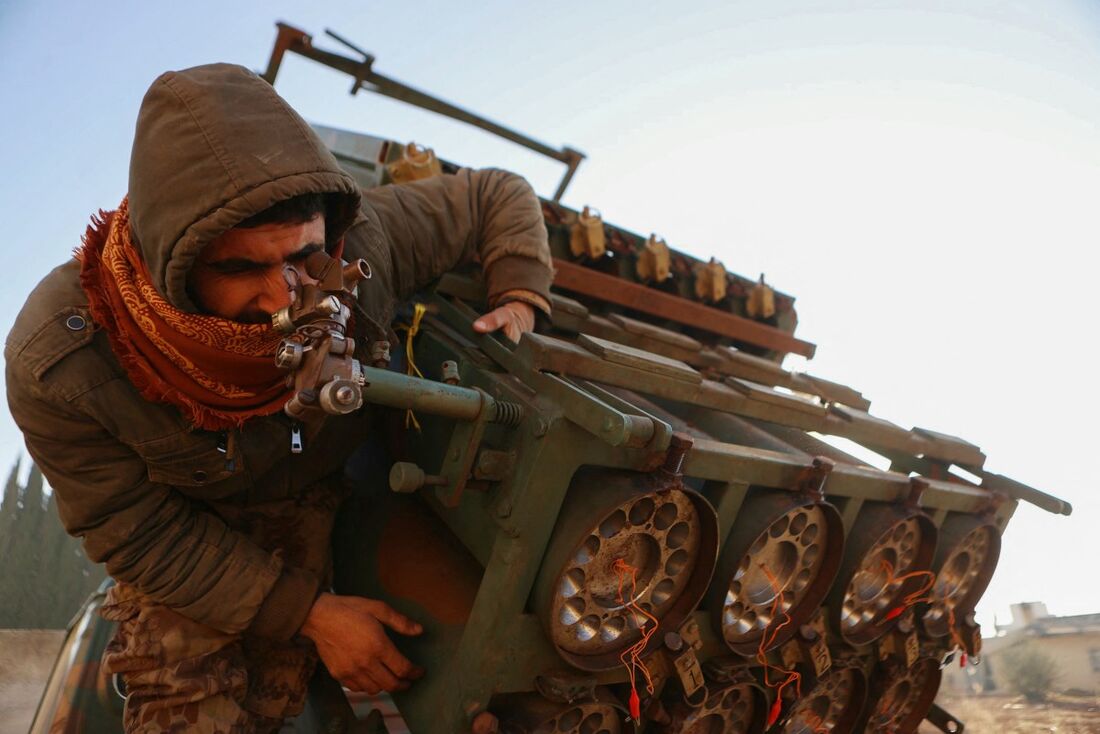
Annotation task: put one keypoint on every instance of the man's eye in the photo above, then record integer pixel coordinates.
(303, 253)
(233, 268)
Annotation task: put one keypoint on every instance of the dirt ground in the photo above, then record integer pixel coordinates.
(1013, 715)
(25, 660)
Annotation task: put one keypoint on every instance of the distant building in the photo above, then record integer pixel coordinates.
(1023, 614)
(1073, 642)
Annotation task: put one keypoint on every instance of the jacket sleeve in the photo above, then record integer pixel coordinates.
(415, 232)
(146, 533)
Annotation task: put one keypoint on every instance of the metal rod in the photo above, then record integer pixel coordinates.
(589, 282)
(944, 721)
(1020, 491)
(402, 92)
(575, 158)
(299, 42)
(396, 390)
(333, 34)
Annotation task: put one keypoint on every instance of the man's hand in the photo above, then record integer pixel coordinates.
(516, 318)
(353, 644)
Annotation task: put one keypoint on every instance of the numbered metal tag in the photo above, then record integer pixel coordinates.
(912, 650)
(691, 675)
(819, 655)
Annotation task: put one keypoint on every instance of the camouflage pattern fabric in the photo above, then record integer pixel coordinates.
(185, 676)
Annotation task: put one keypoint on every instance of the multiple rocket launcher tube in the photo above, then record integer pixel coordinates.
(796, 611)
(785, 555)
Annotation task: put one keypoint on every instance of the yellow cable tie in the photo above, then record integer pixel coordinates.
(419, 309)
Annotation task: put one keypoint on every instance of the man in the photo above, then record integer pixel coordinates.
(142, 376)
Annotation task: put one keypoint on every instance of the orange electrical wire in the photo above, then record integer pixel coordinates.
(955, 636)
(914, 598)
(631, 657)
(765, 642)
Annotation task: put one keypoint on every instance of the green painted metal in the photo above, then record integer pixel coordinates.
(471, 544)
(582, 409)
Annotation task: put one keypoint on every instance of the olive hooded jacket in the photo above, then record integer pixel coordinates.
(214, 145)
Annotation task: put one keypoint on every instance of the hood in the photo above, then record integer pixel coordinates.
(215, 145)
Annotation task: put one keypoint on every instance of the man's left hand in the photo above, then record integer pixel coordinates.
(515, 317)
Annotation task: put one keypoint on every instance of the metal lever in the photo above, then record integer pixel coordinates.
(367, 57)
(944, 721)
(406, 477)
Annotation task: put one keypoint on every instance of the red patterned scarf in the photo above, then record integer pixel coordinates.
(218, 372)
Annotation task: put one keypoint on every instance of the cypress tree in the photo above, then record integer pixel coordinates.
(47, 576)
(9, 510)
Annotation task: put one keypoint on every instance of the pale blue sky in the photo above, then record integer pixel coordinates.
(922, 176)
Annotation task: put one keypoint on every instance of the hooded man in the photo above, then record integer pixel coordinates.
(142, 376)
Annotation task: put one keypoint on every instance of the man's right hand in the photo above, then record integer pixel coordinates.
(349, 634)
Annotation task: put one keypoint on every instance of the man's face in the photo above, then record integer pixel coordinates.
(239, 275)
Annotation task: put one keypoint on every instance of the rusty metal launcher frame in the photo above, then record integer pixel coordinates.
(629, 521)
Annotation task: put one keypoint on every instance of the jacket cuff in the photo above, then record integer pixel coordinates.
(529, 297)
(286, 606)
(516, 272)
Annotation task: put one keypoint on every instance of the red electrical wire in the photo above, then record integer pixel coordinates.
(631, 658)
(955, 636)
(792, 676)
(914, 598)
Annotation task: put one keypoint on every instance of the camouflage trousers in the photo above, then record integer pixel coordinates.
(185, 676)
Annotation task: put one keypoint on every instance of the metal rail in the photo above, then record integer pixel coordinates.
(298, 41)
(590, 282)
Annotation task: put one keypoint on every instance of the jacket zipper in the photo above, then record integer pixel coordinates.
(227, 444)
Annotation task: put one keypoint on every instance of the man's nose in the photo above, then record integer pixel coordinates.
(278, 288)
(273, 297)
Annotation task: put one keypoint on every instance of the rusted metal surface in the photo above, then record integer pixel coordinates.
(589, 282)
(562, 489)
(901, 696)
(833, 704)
(953, 449)
(886, 561)
(729, 428)
(629, 332)
(638, 443)
(754, 368)
(628, 356)
(966, 557)
(560, 303)
(532, 714)
(641, 328)
(1021, 491)
(801, 441)
(872, 431)
(775, 569)
(737, 708)
(764, 394)
(733, 395)
(318, 349)
(832, 392)
(591, 606)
